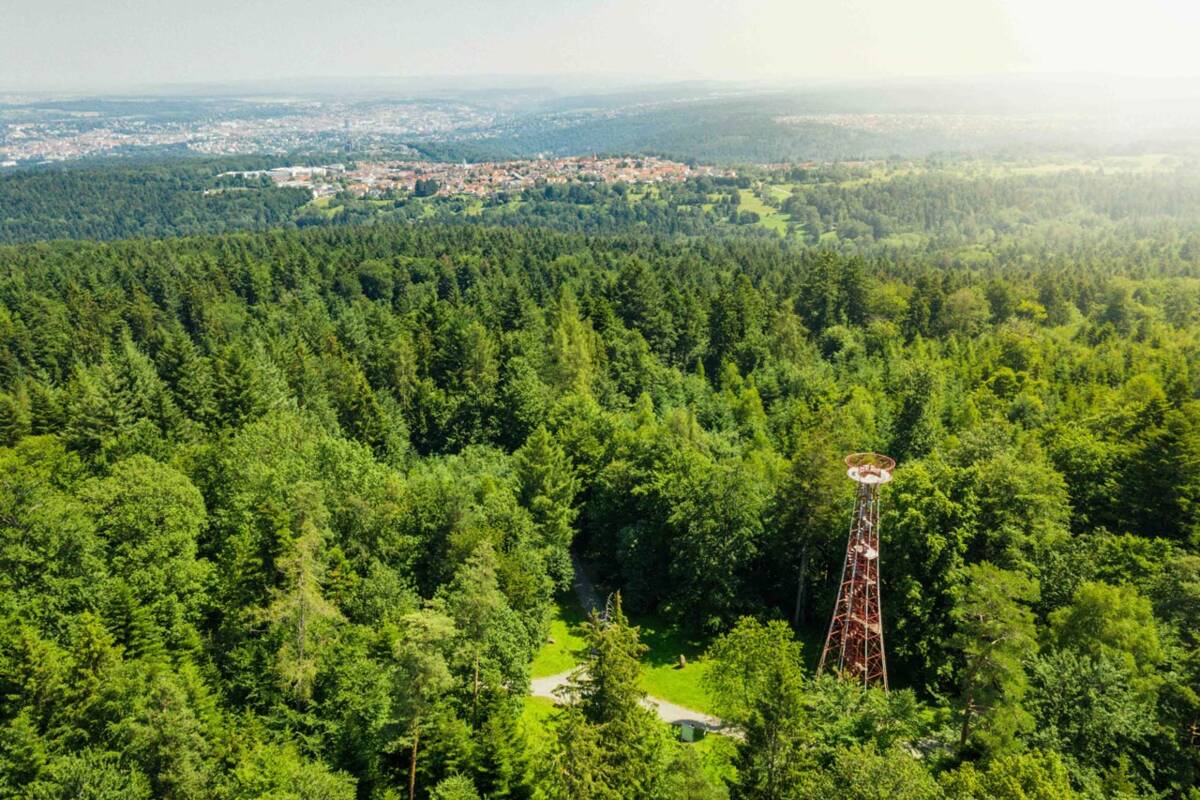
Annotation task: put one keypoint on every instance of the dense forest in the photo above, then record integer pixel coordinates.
(288, 514)
(950, 212)
(175, 198)
(944, 206)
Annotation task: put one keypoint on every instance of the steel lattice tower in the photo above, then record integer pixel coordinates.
(854, 644)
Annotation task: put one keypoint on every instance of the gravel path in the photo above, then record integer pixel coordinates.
(667, 712)
(544, 687)
(585, 590)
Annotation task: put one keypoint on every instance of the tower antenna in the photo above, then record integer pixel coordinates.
(854, 644)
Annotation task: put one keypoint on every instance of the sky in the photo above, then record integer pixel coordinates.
(84, 44)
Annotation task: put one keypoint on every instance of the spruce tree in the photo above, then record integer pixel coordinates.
(608, 742)
(501, 766)
(548, 487)
(15, 418)
(47, 407)
(573, 348)
(234, 383)
(190, 377)
(96, 416)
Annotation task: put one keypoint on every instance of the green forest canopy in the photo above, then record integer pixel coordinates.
(284, 513)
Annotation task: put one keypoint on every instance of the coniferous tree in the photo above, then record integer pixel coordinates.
(639, 301)
(90, 774)
(47, 408)
(606, 741)
(234, 384)
(523, 401)
(96, 416)
(502, 765)
(362, 416)
(300, 617)
(16, 421)
(548, 488)
(131, 624)
(189, 375)
(456, 787)
(134, 384)
(576, 765)
(573, 347)
(492, 645)
(997, 638)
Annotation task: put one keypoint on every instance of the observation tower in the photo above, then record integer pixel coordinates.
(854, 644)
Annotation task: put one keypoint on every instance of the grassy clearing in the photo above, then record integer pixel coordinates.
(566, 649)
(661, 676)
(780, 192)
(643, 191)
(768, 217)
(425, 208)
(1144, 163)
(507, 208)
(323, 205)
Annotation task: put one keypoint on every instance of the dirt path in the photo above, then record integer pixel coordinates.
(667, 712)
(584, 589)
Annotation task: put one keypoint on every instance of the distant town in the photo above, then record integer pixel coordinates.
(389, 178)
(55, 132)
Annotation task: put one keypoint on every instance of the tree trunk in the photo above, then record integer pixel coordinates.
(475, 695)
(798, 614)
(412, 766)
(966, 726)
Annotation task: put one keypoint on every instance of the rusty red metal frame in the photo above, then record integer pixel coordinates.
(854, 644)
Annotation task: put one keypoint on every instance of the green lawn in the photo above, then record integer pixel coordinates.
(426, 208)
(781, 191)
(322, 204)
(661, 676)
(565, 650)
(768, 217)
(640, 192)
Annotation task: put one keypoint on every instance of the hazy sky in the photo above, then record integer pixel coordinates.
(91, 43)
